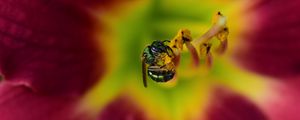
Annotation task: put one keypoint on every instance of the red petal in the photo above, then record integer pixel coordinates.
(283, 103)
(231, 106)
(275, 44)
(122, 109)
(20, 103)
(48, 45)
(273, 50)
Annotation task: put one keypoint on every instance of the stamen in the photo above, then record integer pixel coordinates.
(194, 54)
(222, 37)
(176, 60)
(218, 30)
(209, 60)
(205, 51)
(218, 25)
(222, 47)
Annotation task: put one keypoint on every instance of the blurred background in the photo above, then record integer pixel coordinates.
(81, 60)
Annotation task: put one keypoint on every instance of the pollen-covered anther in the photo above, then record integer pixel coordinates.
(205, 52)
(219, 30)
(218, 25)
(222, 37)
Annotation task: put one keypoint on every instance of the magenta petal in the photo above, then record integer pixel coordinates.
(20, 103)
(230, 106)
(122, 109)
(275, 43)
(48, 45)
(283, 103)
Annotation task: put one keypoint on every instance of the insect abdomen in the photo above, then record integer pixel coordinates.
(161, 76)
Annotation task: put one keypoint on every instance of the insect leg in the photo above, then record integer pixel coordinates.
(144, 72)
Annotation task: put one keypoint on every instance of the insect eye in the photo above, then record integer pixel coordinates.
(154, 49)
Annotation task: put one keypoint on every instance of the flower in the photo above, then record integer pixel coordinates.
(49, 59)
(80, 60)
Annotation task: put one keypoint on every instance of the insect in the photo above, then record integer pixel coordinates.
(159, 57)
(159, 60)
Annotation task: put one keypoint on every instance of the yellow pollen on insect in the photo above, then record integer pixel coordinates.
(168, 59)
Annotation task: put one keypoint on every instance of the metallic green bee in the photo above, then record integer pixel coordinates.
(159, 60)
(156, 57)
